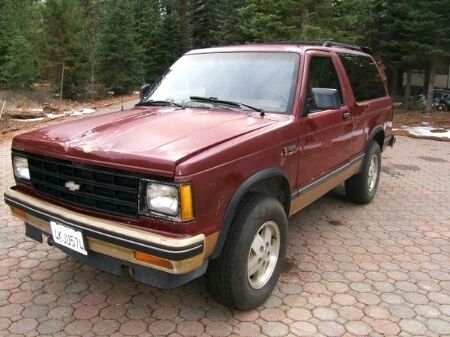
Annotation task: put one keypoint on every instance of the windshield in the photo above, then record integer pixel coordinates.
(259, 79)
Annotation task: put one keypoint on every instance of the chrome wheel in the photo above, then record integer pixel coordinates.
(263, 255)
(372, 173)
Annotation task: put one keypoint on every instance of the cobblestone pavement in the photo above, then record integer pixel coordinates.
(380, 269)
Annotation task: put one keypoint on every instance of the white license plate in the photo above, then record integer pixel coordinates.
(68, 237)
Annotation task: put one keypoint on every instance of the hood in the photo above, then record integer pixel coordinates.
(151, 140)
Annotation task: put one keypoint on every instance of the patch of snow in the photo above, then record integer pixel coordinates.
(37, 110)
(53, 116)
(85, 111)
(427, 131)
(81, 112)
(37, 119)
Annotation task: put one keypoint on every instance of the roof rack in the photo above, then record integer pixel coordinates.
(366, 50)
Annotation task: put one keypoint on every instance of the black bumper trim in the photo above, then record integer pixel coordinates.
(170, 253)
(112, 265)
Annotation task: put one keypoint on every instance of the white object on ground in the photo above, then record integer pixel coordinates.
(84, 111)
(427, 131)
(37, 119)
(3, 108)
(53, 116)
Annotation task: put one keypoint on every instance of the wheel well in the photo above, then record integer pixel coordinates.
(379, 138)
(271, 182)
(276, 187)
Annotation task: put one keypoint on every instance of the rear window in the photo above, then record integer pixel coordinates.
(364, 77)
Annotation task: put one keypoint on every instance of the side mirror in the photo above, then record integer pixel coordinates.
(143, 91)
(326, 98)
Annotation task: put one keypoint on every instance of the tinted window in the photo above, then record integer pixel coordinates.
(322, 74)
(364, 77)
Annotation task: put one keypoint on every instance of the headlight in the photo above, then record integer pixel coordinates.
(162, 198)
(168, 200)
(20, 166)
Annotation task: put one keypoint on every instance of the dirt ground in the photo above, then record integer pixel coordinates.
(439, 120)
(9, 124)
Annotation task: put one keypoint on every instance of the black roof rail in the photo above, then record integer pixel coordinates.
(366, 50)
(313, 43)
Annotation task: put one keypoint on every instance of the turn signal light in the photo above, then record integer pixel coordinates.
(157, 261)
(187, 204)
(19, 213)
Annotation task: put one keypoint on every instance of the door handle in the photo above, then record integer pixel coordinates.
(346, 116)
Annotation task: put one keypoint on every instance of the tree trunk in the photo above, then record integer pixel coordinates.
(407, 89)
(426, 80)
(394, 82)
(304, 22)
(430, 90)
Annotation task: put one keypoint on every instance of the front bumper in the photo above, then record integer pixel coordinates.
(112, 245)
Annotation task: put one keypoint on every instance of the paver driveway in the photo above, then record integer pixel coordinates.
(381, 269)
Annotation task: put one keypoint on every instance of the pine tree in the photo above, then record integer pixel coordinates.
(225, 26)
(413, 34)
(278, 20)
(92, 11)
(148, 21)
(117, 50)
(345, 21)
(64, 43)
(200, 22)
(18, 34)
(19, 69)
(163, 35)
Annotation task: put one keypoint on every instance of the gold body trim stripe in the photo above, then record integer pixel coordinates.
(316, 189)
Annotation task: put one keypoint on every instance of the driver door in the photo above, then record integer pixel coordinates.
(326, 125)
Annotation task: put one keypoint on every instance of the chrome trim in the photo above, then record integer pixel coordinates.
(326, 177)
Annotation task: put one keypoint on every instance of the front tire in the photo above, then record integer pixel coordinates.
(246, 272)
(362, 187)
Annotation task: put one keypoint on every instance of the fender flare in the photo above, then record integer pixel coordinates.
(370, 138)
(372, 134)
(237, 198)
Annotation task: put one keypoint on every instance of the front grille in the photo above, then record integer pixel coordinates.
(100, 189)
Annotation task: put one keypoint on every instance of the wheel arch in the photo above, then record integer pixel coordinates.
(272, 181)
(377, 134)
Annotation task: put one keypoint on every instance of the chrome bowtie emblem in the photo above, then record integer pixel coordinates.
(72, 186)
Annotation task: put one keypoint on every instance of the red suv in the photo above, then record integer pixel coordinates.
(202, 175)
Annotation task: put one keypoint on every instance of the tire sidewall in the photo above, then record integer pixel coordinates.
(374, 149)
(267, 209)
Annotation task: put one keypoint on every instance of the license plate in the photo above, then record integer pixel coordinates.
(68, 237)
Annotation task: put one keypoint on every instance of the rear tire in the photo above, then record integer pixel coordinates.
(246, 272)
(361, 188)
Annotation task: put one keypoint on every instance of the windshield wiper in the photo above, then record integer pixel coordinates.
(221, 101)
(160, 102)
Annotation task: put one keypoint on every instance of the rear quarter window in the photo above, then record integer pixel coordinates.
(364, 77)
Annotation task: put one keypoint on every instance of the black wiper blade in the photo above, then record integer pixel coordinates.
(160, 102)
(216, 100)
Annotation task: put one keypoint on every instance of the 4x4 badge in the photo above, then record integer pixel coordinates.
(72, 186)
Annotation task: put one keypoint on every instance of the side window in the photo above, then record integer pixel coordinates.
(364, 77)
(323, 90)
